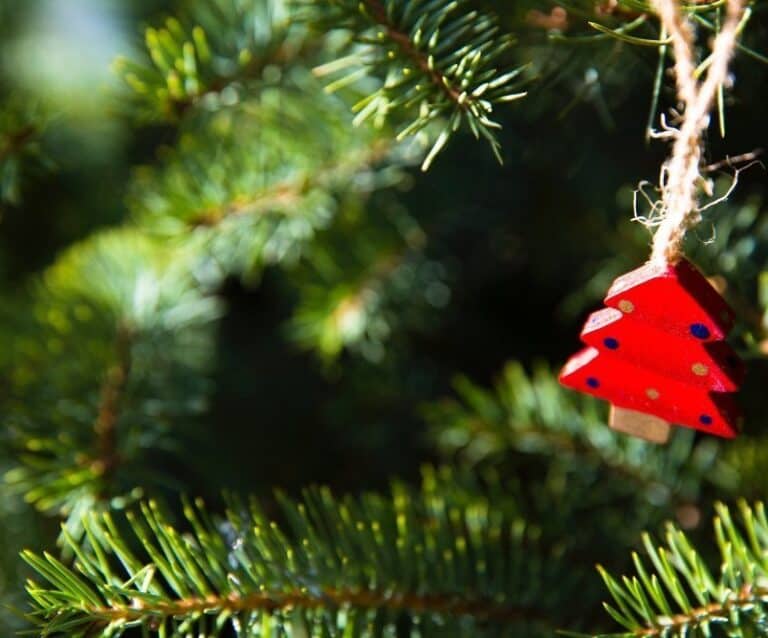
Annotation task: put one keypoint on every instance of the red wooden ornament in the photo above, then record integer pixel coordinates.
(658, 349)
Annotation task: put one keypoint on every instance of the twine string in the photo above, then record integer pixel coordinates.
(681, 171)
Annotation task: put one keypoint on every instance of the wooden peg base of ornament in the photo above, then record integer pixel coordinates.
(640, 425)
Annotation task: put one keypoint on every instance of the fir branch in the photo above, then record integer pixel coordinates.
(414, 603)
(211, 54)
(278, 198)
(378, 12)
(284, 196)
(15, 141)
(113, 351)
(362, 280)
(677, 624)
(339, 313)
(256, 187)
(533, 414)
(339, 564)
(112, 395)
(679, 595)
(434, 61)
(21, 126)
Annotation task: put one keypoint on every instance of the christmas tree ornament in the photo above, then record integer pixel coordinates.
(657, 353)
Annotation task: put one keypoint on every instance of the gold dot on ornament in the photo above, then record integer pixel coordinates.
(652, 393)
(699, 369)
(625, 305)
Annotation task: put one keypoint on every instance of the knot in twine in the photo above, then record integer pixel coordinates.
(680, 172)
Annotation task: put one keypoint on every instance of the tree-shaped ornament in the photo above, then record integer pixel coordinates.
(658, 354)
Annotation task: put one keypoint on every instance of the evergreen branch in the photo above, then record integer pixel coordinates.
(112, 394)
(257, 186)
(434, 61)
(680, 596)
(283, 196)
(15, 141)
(114, 350)
(623, 36)
(338, 567)
(534, 414)
(415, 603)
(335, 314)
(363, 280)
(378, 12)
(209, 55)
(21, 127)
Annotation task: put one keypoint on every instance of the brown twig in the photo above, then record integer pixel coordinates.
(17, 140)
(289, 191)
(747, 595)
(730, 162)
(379, 14)
(112, 394)
(448, 604)
(280, 194)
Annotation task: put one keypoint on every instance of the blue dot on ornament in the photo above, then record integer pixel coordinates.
(705, 419)
(592, 382)
(699, 330)
(611, 343)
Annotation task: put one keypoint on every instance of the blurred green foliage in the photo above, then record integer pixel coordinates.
(290, 300)
(106, 367)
